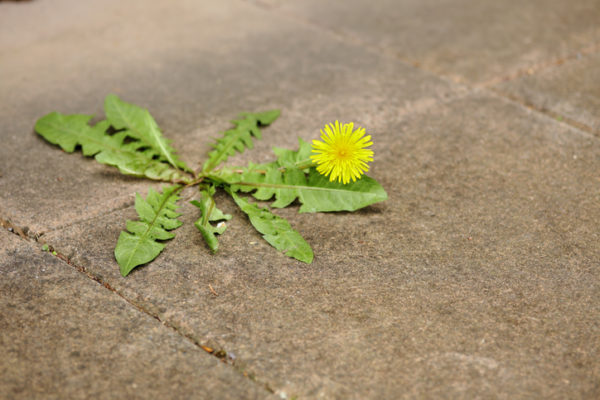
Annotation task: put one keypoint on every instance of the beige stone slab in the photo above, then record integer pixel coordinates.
(65, 336)
(478, 277)
(474, 41)
(23, 23)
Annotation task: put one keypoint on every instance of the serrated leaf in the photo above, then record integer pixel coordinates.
(69, 131)
(140, 125)
(239, 138)
(139, 166)
(285, 182)
(266, 117)
(276, 231)
(210, 212)
(138, 245)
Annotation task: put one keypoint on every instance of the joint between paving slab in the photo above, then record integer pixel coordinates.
(28, 235)
(545, 113)
(122, 207)
(583, 128)
(529, 70)
(220, 354)
(17, 230)
(79, 221)
(535, 68)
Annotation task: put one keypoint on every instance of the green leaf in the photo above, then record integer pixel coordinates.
(210, 212)
(238, 138)
(266, 117)
(69, 131)
(138, 245)
(294, 158)
(275, 230)
(132, 158)
(140, 125)
(284, 181)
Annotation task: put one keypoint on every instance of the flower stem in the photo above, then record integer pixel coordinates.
(305, 164)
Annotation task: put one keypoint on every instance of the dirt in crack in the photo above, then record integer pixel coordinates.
(17, 230)
(221, 354)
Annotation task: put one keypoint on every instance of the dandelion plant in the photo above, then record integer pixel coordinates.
(325, 176)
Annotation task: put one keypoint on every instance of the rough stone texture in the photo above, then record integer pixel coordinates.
(207, 62)
(478, 278)
(25, 23)
(64, 336)
(571, 90)
(472, 41)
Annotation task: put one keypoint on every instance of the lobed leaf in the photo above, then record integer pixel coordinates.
(286, 182)
(276, 231)
(138, 245)
(239, 138)
(140, 125)
(209, 212)
(132, 158)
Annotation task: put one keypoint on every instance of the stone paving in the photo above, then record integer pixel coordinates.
(479, 277)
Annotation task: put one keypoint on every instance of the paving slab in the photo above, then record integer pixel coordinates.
(470, 41)
(194, 65)
(65, 336)
(26, 22)
(570, 90)
(478, 278)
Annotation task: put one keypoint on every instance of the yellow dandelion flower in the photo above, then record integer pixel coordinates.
(342, 154)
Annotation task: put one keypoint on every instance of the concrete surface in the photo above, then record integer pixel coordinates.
(64, 335)
(478, 278)
(469, 41)
(491, 238)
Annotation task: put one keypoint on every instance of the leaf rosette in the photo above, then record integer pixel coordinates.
(130, 139)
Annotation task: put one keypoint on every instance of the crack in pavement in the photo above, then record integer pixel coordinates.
(220, 354)
(78, 221)
(122, 207)
(557, 117)
(543, 65)
(15, 229)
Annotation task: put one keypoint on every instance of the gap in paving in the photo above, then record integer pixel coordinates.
(125, 206)
(584, 53)
(12, 228)
(486, 85)
(27, 233)
(535, 68)
(545, 111)
(220, 354)
(77, 221)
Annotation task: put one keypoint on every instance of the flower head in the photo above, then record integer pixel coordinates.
(342, 154)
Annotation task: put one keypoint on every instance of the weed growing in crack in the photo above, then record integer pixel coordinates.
(331, 179)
